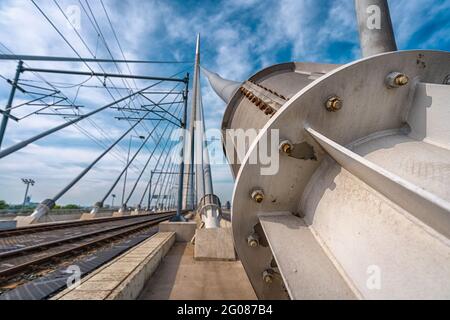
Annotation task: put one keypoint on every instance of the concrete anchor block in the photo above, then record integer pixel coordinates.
(214, 245)
(185, 231)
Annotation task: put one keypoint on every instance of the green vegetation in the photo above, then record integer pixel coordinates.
(3, 205)
(71, 206)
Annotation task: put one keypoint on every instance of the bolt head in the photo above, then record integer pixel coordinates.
(286, 147)
(253, 243)
(396, 80)
(257, 195)
(253, 240)
(334, 104)
(268, 277)
(401, 80)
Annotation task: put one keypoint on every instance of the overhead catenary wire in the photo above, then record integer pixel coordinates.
(76, 52)
(140, 175)
(82, 130)
(131, 161)
(131, 98)
(86, 46)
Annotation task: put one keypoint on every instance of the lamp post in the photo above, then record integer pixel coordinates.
(126, 171)
(113, 198)
(150, 193)
(28, 182)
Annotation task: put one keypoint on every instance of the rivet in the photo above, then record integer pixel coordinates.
(334, 104)
(258, 195)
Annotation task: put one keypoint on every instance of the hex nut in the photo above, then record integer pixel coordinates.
(253, 240)
(268, 276)
(396, 80)
(286, 147)
(258, 196)
(334, 104)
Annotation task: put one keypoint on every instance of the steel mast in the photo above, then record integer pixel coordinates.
(189, 200)
(208, 202)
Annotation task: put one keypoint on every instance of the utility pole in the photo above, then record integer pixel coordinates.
(28, 182)
(150, 193)
(113, 198)
(10, 102)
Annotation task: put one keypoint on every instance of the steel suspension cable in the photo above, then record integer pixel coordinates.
(131, 161)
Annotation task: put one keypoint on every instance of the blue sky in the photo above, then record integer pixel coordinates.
(239, 37)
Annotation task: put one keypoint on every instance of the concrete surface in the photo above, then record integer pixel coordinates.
(125, 276)
(23, 221)
(121, 214)
(55, 216)
(87, 216)
(185, 231)
(180, 277)
(214, 244)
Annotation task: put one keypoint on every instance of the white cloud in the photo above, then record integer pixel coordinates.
(238, 38)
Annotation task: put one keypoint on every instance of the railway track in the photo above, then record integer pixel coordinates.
(25, 249)
(61, 225)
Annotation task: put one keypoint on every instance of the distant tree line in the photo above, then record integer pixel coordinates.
(4, 206)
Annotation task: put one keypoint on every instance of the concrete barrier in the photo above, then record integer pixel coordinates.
(214, 245)
(124, 277)
(185, 231)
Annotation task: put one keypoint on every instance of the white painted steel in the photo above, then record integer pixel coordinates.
(386, 209)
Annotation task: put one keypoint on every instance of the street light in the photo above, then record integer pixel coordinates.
(126, 171)
(113, 197)
(28, 182)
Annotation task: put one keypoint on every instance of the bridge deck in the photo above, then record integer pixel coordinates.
(179, 276)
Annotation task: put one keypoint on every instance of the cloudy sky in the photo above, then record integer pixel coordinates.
(239, 37)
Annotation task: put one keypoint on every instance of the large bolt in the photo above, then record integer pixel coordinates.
(253, 240)
(258, 196)
(286, 147)
(268, 276)
(334, 104)
(396, 80)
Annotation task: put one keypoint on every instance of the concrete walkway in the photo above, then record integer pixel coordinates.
(180, 277)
